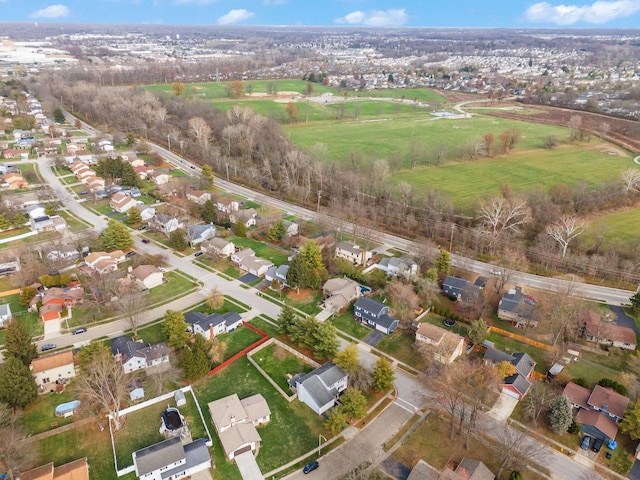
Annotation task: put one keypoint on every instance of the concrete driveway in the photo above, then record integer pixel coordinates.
(622, 319)
(248, 466)
(503, 407)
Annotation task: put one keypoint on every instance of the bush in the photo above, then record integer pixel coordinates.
(615, 386)
(581, 381)
(574, 428)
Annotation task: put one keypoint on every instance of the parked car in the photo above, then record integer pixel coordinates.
(495, 271)
(146, 240)
(586, 441)
(48, 346)
(162, 269)
(142, 227)
(78, 331)
(131, 254)
(310, 467)
(597, 445)
(197, 254)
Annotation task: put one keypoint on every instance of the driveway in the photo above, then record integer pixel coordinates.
(248, 466)
(374, 338)
(503, 407)
(395, 469)
(622, 319)
(248, 278)
(634, 473)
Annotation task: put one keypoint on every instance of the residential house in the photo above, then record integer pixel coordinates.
(374, 314)
(353, 253)
(143, 171)
(5, 315)
(171, 460)
(198, 233)
(598, 411)
(218, 246)
(103, 262)
(212, 325)
(159, 178)
(105, 146)
(247, 217)
(398, 267)
(78, 166)
(320, 388)
(134, 355)
(518, 384)
(290, 228)
(246, 260)
(423, 471)
(518, 308)
(593, 329)
(236, 420)
(134, 160)
(227, 205)
(147, 213)
(277, 274)
(166, 223)
(96, 183)
(338, 293)
(121, 202)
(447, 346)
(198, 196)
(75, 470)
(147, 276)
(85, 175)
(461, 289)
(52, 368)
(14, 181)
(467, 469)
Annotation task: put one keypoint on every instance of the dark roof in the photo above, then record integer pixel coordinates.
(523, 362)
(370, 305)
(386, 321)
(599, 421)
(496, 356)
(474, 469)
(158, 455)
(481, 281)
(318, 381)
(455, 282)
(519, 382)
(608, 400)
(127, 348)
(215, 319)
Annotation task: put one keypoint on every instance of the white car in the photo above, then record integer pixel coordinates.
(495, 271)
(162, 269)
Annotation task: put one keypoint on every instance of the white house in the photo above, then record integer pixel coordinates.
(227, 205)
(103, 262)
(198, 233)
(47, 370)
(5, 315)
(159, 178)
(121, 202)
(353, 253)
(147, 276)
(105, 146)
(166, 223)
(218, 246)
(447, 346)
(170, 460)
(212, 325)
(247, 216)
(134, 355)
(236, 421)
(147, 213)
(198, 196)
(320, 388)
(398, 267)
(247, 261)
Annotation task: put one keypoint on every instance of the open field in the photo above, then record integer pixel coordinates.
(617, 228)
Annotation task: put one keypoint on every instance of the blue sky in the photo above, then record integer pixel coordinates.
(436, 13)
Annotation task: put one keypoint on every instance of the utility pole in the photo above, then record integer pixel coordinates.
(227, 165)
(320, 437)
(169, 141)
(319, 197)
(453, 227)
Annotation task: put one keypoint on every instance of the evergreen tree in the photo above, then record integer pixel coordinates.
(18, 344)
(348, 359)
(17, 385)
(354, 403)
(207, 174)
(560, 414)
(50, 210)
(116, 236)
(630, 423)
(175, 329)
(325, 340)
(383, 375)
(443, 263)
(287, 319)
(133, 216)
(129, 176)
(635, 299)
(88, 353)
(240, 230)
(209, 212)
(4, 223)
(336, 420)
(311, 255)
(26, 294)
(177, 240)
(194, 363)
(478, 331)
(276, 231)
(58, 115)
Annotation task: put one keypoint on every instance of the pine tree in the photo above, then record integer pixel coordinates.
(194, 363)
(177, 240)
(209, 212)
(287, 320)
(276, 231)
(26, 294)
(133, 216)
(18, 344)
(116, 236)
(4, 223)
(443, 262)
(175, 329)
(325, 340)
(129, 176)
(383, 375)
(630, 423)
(207, 174)
(478, 331)
(58, 115)
(354, 403)
(17, 385)
(240, 230)
(311, 255)
(560, 414)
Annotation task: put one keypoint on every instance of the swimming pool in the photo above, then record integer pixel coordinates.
(67, 409)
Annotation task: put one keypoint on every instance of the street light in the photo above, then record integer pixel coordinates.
(320, 437)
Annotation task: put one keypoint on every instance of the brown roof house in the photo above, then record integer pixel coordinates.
(147, 276)
(76, 470)
(593, 329)
(353, 253)
(121, 202)
(54, 368)
(338, 293)
(236, 421)
(598, 410)
(103, 262)
(218, 246)
(447, 345)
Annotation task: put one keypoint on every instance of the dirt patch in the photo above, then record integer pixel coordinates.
(299, 295)
(285, 93)
(280, 353)
(257, 95)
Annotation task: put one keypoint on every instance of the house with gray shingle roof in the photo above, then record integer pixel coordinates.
(212, 325)
(134, 355)
(320, 388)
(518, 384)
(374, 314)
(518, 308)
(170, 460)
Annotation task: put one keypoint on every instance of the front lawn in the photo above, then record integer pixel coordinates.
(238, 340)
(280, 365)
(75, 225)
(175, 285)
(399, 345)
(152, 333)
(293, 430)
(30, 320)
(346, 323)
(262, 250)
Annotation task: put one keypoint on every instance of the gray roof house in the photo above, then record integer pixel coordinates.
(320, 388)
(279, 274)
(398, 267)
(461, 289)
(170, 460)
(199, 233)
(518, 308)
(134, 355)
(339, 292)
(518, 384)
(374, 314)
(214, 324)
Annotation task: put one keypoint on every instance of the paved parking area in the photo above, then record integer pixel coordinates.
(395, 469)
(503, 407)
(248, 278)
(374, 338)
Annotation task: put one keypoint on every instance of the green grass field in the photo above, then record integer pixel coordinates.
(280, 365)
(618, 228)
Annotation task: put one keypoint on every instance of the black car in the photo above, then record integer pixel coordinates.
(597, 445)
(78, 331)
(131, 254)
(586, 441)
(142, 227)
(197, 254)
(48, 346)
(310, 467)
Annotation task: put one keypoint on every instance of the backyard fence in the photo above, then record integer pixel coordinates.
(242, 352)
(520, 338)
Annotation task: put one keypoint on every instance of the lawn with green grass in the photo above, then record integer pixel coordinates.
(174, 286)
(399, 345)
(40, 415)
(152, 333)
(292, 431)
(262, 250)
(280, 365)
(592, 372)
(346, 323)
(615, 229)
(511, 345)
(29, 320)
(266, 327)
(75, 225)
(238, 340)
(459, 328)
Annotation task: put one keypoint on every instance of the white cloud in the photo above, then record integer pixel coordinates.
(601, 11)
(52, 11)
(376, 18)
(270, 3)
(235, 16)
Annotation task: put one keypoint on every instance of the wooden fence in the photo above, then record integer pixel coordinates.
(520, 338)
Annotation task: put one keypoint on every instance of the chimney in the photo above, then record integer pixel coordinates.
(233, 420)
(211, 334)
(129, 269)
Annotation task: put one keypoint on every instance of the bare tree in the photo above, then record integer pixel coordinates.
(103, 384)
(482, 390)
(501, 216)
(132, 306)
(536, 401)
(515, 449)
(404, 299)
(560, 307)
(200, 130)
(449, 388)
(564, 230)
(15, 451)
(165, 379)
(631, 180)
(575, 124)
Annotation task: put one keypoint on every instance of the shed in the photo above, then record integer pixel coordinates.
(179, 397)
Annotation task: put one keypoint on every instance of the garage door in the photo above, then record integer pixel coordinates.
(242, 450)
(511, 393)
